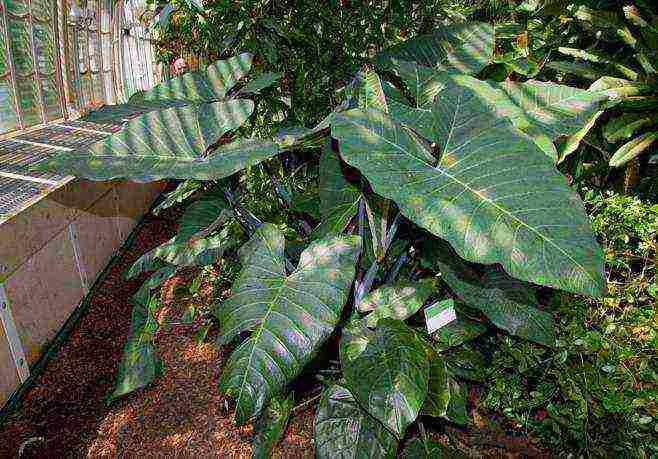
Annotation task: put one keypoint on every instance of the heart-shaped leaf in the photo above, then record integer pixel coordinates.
(204, 214)
(389, 378)
(490, 193)
(343, 429)
(183, 252)
(288, 316)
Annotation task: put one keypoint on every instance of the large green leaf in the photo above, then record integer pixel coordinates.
(289, 316)
(507, 302)
(458, 332)
(355, 337)
(139, 363)
(270, 426)
(344, 430)
(398, 301)
(171, 143)
(389, 378)
(209, 85)
(466, 47)
(491, 193)
(339, 199)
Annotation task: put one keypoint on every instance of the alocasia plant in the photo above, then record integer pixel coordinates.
(431, 179)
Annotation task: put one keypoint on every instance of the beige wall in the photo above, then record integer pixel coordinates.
(51, 253)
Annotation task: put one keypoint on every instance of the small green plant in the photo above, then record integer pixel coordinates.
(436, 195)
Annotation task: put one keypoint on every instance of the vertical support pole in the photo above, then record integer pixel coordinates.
(35, 62)
(12, 70)
(14, 341)
(82, 272)
(59, 46)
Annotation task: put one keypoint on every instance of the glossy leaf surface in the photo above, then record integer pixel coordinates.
(490, 193)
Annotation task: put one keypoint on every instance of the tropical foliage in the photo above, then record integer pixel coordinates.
(428, 181)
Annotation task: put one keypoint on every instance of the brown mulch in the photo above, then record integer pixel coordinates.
(183, 414)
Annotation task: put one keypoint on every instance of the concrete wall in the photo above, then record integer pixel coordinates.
(50, 255)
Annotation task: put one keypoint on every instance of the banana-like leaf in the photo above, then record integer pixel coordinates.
(171, 143)
(209, 85)
(507, 302)
(183, 252)
(438, 390)
(389, 378)
(184, 190)
(339, 199)
(344, 430)
(289, 316)
(399, 301)
(139, 363)
(633, 149)
(467, 47)
(627, 124)
(203, 215)
(491, 193)
(270, 426)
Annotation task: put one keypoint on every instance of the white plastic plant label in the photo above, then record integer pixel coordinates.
(439, 315)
